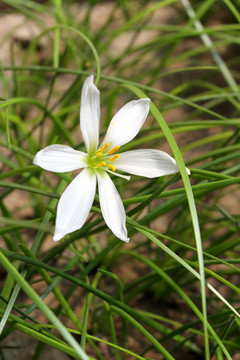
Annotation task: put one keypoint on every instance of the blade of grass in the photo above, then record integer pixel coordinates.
(42, 306)
(34, 248)
(209, 44)
(164, 275)
(157, 115)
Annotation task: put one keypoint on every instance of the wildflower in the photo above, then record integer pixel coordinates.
(77, 199)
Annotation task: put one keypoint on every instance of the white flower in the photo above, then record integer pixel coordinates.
(76, 201)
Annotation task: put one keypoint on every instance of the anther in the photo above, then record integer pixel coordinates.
(98, 154)
(111, 167)
(110, 152)
(114, 157)
(101, 164)
(104, 147)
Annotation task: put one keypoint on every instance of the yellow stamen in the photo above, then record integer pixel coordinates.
(111, 167)
(101, 164)
(110, 152)
(104, 147)
(98, 154)
(114, 157)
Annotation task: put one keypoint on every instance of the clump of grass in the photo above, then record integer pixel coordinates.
(172, 292)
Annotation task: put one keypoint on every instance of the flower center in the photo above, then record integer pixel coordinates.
(103, 159)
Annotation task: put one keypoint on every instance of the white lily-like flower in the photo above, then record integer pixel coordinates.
(77, 199)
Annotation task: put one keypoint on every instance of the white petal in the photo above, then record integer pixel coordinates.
(147, 162)
(60, 158)
(75, 204)
(90, 114)
(127, 122)
(112, 206)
